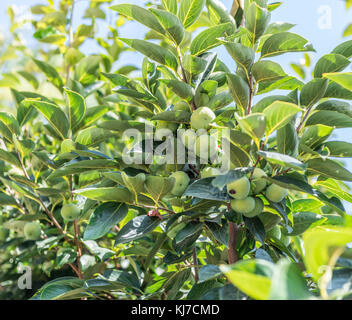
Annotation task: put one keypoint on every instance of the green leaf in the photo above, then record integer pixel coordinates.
(218, 10)
(267, 71)
(189, 11)
(255, 227)
(209, 272)
(318, 245)
(171, 24)
(344, 49)
(278, 114)
(92, 115)
(117, 194)
(337, 91)
(6, 200)
(65, 256)
(254, 125)
(330, 63)
(239, 90)
(336, 105)
(82, 166)
(204, 189)
(153, 51)
(182, 89)
(170, 5)
(134, 184)
(187, 237)
(208, 38)
(158, 187)
(103, 219)
(313, 91)
(102, 253)
(243, 55)
(136, 228)
(8, 126)
(302, 221)
(178, 116)
(92, 136)
(253, 277)
(329, 118)
(257, 20)
(338, 149)
(288, 283)
(51, 73)
(329, 168)
(76, 108)
(284, 42)
(53, 114)
(282, 160)
(139, 14)
(344, 79)
(287, 140)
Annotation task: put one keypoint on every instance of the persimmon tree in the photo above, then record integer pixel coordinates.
(256, 210)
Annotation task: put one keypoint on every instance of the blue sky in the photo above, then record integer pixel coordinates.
(320, 21)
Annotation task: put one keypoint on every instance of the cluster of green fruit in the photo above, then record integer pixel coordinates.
(244, 193)
(196, 140)
(32, 230)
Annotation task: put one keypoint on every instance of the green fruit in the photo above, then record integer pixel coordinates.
(285, 240)
(180, 184)
(70, 212)
(206, 146)
(4, 233)
(258, 209)
(276, 193)
(189, 138)
(274, 233)
(239, 189)
(67, 146)
(243, 206)
(202, 117)
(209, 172)
(181, 106)
(32, 230)
(258, 183)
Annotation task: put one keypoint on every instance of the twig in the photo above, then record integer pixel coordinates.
(304, 119)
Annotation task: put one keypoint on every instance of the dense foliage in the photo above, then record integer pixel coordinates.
(91, 225)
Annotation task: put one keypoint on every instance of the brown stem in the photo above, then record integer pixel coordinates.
(304, 119)
(232, 252)
(71, 186)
